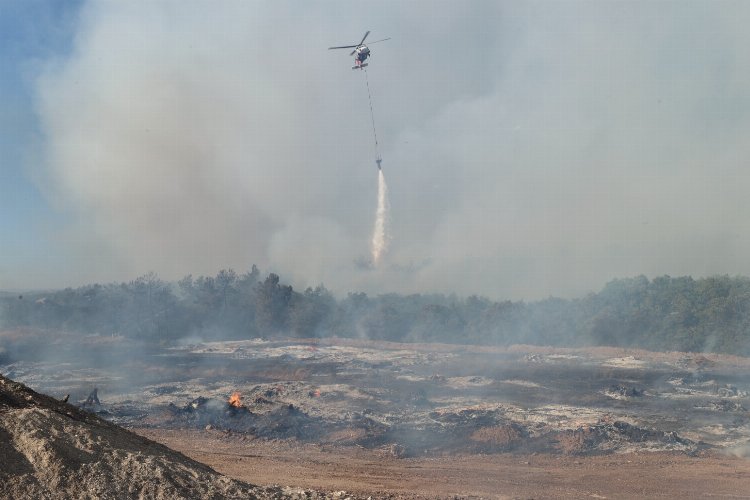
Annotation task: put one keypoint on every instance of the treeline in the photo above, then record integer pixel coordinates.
(709, 314)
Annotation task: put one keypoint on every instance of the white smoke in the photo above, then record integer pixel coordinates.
(549, 148)
(380, 234)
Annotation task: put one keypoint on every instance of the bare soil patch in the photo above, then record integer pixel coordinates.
(379, 474)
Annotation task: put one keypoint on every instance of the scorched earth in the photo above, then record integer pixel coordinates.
(419, 419)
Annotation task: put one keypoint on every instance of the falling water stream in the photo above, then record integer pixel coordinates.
(380, 234)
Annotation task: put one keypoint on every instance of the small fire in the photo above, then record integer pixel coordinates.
(235, 400)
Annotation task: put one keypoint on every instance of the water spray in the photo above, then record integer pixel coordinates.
(380, 233)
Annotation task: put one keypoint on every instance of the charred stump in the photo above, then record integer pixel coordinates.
(93, 399)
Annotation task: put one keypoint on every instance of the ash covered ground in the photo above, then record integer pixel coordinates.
(408, 400)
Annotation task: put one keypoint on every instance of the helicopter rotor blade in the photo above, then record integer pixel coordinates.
(376, 41)
(344, 47)
(363, 38)
(352, 52)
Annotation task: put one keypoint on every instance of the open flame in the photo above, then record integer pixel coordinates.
(235, 400)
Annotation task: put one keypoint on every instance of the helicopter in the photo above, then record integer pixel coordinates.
(362, 51)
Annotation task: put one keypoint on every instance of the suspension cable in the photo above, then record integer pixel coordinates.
(372, 115)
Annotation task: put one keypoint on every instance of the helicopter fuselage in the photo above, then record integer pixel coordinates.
(361, 54)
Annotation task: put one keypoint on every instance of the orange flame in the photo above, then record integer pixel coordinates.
(235, 400)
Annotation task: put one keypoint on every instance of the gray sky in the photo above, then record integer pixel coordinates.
(531, 148)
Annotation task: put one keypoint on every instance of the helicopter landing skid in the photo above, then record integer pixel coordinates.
(360, 66)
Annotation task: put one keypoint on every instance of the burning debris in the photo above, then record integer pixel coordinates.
(282, 421)
(235, 400)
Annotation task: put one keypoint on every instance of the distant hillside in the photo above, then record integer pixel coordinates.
(686, 314)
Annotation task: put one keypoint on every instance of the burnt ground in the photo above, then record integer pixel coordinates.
(332, 400)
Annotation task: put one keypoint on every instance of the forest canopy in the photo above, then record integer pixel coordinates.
(684, 314)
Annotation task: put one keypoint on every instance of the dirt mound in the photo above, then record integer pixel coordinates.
(618, 436)
(51, 449)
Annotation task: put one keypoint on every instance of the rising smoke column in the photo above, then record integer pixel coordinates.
(380, 234)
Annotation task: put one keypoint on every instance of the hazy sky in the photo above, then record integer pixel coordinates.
(531, 148)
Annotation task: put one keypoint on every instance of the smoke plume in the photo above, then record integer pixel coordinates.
(551, 146)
